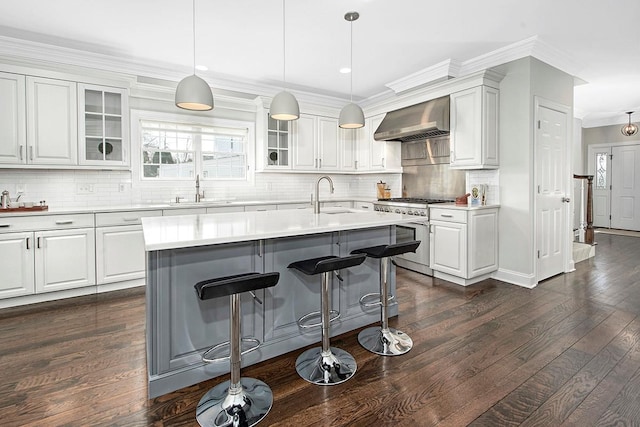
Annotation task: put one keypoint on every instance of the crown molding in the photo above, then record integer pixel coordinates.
(436, 73)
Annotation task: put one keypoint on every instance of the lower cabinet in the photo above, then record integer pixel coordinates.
(464, 243)
(46, 260)
(120, 253)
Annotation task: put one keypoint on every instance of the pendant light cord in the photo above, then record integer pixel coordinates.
(284, 50)
(351, 65)
(193, 26)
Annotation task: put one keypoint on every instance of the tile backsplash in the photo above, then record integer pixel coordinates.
(86, 188)
(490, 178)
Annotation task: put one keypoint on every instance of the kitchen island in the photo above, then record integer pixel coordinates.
(183, 250)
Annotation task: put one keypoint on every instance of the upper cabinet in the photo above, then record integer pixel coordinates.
(52, 127)
(278, 153)
(474, 128)
(103, 125)
(316, 143)
(62, 124)
(13, 136)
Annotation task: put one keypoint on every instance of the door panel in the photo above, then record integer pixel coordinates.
(551, 177)
(625, 187)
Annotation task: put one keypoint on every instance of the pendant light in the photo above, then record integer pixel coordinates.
(193, 93)
(630, 129)
(284, 105)
(351, 116)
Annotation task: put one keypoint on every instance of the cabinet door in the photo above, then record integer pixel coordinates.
(120, 253)
(483, 242)
(103, 129)
(349, 149)
(363, 147)
(12, 120)
(328, 146)
(65, 259)
(377, 149)
(16, 264)
(52, 133)
(466, 127)
(448, 247)
(304, 143)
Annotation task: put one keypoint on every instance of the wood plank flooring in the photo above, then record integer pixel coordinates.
(566, 353)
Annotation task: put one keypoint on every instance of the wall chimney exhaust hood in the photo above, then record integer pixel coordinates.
(421, 121)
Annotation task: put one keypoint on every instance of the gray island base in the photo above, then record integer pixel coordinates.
(180, 327)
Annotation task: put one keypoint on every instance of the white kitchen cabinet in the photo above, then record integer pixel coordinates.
(260, 208)
(13, 139)
(463, 243)
(474, 128)
(103, 126)
(64, 259)
(41, 254)
(316, 143)
(184, 211)
(16, 264)
(120, 253)
(279, 137)
(377, 149)
(225, 209)
(291, 206)
(349, 139)
(52, 125)
(366, 154)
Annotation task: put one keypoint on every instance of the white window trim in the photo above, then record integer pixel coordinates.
(141, 115)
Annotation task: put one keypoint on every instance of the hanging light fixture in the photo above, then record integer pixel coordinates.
(193, 93)
(630, 129)
(351, 116)
(284, 105)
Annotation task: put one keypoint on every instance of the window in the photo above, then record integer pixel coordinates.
(180, 151)
(601, 170)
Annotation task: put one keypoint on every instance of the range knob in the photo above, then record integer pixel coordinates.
(376, 208)
(387, 209)
(410, 212)
(397, 210)
(423, 213)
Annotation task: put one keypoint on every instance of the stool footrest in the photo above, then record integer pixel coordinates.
(303, 321)
(376, 295)
(207, 355)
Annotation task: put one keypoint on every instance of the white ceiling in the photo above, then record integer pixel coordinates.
(241, 40)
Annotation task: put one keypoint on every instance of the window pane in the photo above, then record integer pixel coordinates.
(601, 170)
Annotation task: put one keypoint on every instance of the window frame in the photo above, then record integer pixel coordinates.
(139, 116)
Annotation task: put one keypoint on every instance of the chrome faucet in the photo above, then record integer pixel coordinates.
(316, 202)
(199, 195)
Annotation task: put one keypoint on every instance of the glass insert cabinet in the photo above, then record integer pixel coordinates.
(103, 118)
(277, 142)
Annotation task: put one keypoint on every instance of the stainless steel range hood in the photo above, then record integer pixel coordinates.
(420, 121)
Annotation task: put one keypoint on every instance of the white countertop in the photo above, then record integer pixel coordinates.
(184, 231)
(462, 207)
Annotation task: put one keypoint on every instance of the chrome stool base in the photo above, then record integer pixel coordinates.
(390, 342)
(220, 408)
(331, 368)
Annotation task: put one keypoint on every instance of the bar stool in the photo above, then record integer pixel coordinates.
(325, 365)
(384, 340)
(240, 401)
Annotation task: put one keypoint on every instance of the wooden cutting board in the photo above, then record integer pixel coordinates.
(23, 209)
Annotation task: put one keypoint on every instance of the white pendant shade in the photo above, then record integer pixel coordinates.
(284, 106)
(351, 117)
(193, 93)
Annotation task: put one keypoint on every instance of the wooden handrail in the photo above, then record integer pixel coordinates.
(588, 236)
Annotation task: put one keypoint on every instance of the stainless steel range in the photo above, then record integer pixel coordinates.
(418, 230)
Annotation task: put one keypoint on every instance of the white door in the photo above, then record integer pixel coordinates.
(120, 253)
(551, 180)
(304, 143)
(448, 248)
(625, 187)
(328, 147)
(12, 119)
(600, 167)
(377, 149)
(16, 264)
(65, 259)
(52, 120)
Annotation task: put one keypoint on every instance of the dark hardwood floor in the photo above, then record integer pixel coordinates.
(493, 354)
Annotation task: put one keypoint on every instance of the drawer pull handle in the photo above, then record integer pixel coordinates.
(5, 225)
(38, 243)
(64, 222)
(28, 244)
(131, 219)
(446, 215)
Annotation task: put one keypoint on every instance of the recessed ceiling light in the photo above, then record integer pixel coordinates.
(202, 67)
(345, 70)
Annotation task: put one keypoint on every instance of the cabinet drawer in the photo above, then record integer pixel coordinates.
(452, 215)
(45, 222)
(123, 218)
